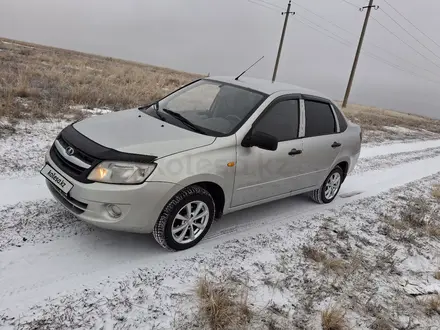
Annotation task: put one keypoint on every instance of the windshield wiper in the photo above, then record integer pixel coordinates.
(156, 109)
(184, 120)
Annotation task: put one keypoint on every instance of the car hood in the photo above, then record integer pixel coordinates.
(133, 131)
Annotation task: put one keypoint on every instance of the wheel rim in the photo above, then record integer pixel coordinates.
(190, 222)
(332, 185)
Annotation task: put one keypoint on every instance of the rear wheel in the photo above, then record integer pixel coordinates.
(186, 219)
(330, 188)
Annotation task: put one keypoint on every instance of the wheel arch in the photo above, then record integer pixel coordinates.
(214, 185)
(217, 193)
(344, 165)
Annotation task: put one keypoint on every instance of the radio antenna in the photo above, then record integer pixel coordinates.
(249, 68)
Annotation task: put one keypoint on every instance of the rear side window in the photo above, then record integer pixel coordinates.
(319, 119)
(281, 120)
(341, 119)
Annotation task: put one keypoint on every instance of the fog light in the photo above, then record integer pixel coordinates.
(113, 210)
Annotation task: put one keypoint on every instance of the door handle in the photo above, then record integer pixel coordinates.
(336, 144)
(294, 152)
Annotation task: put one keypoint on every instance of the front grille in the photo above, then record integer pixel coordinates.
(70, 203)
(78, 153)
(78, 173)
(72, 167)
(75, 171)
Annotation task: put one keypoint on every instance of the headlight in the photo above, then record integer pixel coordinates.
(121, 172)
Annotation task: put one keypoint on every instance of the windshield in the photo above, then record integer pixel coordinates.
(208, 106)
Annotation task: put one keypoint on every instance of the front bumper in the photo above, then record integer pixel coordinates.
(141, 205)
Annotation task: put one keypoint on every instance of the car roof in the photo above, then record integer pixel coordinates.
(267, 86)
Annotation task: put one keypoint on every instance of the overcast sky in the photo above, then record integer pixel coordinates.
(223, 37)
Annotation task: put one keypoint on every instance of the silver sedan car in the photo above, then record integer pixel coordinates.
(214, 146)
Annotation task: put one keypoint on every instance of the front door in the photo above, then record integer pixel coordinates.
(262, 174)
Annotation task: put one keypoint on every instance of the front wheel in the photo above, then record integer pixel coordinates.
(330, 188)
(186, 219)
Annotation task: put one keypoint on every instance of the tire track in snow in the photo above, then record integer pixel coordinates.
(79, 261)
(165, 289)
(381, 162)
(38, 221)
(395, 148)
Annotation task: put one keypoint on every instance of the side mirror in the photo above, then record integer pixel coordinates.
(260, 140)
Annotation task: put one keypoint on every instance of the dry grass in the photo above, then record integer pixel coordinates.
(415, 212)
(6, 128)
(386, 260)
(416, 218)
(316, 255)
(381, 324)
(432, 305)
(437, 275)
(333, 318)
(433, 230)
(336, 265)
(371, 118)
(223, 304)
(436, 191)
(38, 81)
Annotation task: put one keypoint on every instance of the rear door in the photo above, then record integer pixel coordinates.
(322, 141)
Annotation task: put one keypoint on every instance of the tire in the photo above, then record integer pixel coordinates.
(319, 195)
(169, 218)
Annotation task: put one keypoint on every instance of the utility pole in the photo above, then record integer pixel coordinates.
(358, 51)
(287, 13)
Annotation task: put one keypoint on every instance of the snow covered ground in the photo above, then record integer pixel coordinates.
(388, 134)
(364, 253)
(22, 153)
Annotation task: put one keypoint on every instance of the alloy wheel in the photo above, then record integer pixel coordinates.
(332, 185)
(190, 222)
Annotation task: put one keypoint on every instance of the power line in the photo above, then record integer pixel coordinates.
(403, 28)
(351, 33)
(262, 5)
(406, 19)
(316, 29)
(399, 67)
(328, 31)
(351, 4)
(321, 17)
(403, 59)
(270, 4)
(348, 43)
(403, 41)
(369, 54)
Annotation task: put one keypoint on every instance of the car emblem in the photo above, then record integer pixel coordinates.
(70, 151)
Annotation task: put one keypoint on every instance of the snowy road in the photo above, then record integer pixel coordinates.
(33, 272)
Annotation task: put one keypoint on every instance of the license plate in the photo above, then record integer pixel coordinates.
(56, 178)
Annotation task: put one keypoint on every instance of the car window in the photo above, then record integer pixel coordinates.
(319, 119)
(341, 119)
(281, 120)
(199, 98)
(212, 107)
